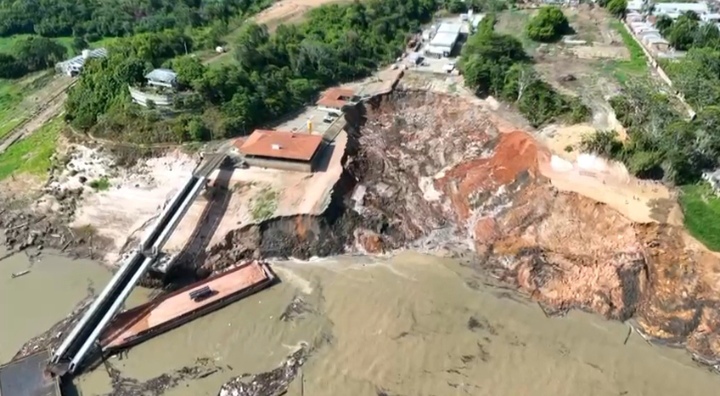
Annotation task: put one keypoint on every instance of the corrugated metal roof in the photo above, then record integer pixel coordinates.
(281, 145)
(166, 76)
(449, 27)
(444, 39)
(79, 61)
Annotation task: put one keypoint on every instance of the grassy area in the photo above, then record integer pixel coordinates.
(12, 93)
(264, 204)
(513, 23)
(10, 96)
(702, 210)
(31, 155)
(7, 43)
(636, 66)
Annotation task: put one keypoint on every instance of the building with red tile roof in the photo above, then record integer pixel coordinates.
(280, 149)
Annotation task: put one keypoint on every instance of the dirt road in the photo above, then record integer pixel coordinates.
(50, 107)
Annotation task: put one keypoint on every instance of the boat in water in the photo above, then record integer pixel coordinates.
(167, 312)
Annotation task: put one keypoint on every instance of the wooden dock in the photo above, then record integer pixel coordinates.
(165, 313)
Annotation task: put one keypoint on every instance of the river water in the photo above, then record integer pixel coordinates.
(405, 325)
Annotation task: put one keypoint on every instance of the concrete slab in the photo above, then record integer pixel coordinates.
(28, 377)
(299, 122)
(254, 194)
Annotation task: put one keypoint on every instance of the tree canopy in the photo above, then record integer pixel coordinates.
(31, 54)
(112, 18)
(496, 64)
(548, 25)
(617, 7)
(274, 73)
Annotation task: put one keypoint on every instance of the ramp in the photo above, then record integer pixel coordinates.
(28, 377)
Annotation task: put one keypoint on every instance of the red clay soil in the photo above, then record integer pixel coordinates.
(515, 152)
(566, 250)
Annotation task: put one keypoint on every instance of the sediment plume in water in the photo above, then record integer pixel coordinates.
(440, 171)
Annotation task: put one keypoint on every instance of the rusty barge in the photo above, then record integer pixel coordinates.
(165, 313)
(31, 375)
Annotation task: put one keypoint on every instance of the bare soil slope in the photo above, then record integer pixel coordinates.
(433, 162)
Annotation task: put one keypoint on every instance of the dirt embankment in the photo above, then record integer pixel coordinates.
(436, 170)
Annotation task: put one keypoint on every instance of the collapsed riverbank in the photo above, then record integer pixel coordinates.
(434, 173)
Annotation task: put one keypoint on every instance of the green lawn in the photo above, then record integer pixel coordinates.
(636, 66)
(32, 155)
(10, 96)
(12, 93)
(701, 208)
(7, 43)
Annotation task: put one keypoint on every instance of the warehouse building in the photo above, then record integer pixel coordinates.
(444, 40)
(281, 150)
(73, 66)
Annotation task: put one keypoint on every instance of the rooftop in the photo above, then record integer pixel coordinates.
(665, 8)
(281, 145)
(79, 61)
(166, 76)
(336, 97)
(447, 34)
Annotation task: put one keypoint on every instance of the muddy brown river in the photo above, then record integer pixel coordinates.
(406, 325)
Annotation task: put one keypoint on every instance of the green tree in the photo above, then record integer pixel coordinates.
(683, 32)
(548, 25)
(617, 7)
(188, 69)
(38, 53)
(663, 24)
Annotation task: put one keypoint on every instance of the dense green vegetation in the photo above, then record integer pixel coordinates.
(31, 54)
(112, 18)
(496, 64)
(274, 74)
(688, 32)
(663, 143)
(615, 7)
(548, 25)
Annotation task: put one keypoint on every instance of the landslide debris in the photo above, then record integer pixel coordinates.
(430, 162)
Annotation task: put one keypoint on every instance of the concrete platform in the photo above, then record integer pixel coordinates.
(28, 377)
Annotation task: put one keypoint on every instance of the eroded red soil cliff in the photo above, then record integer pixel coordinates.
(432, 162)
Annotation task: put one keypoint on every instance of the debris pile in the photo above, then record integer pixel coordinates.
(123, 386)
(273, 383)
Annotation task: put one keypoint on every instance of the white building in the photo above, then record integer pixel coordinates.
(444, 40)
(673, 10)
(73, 66)
(165, 78)
(635, 5)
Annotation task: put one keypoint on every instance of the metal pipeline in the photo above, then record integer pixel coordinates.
(170, 208)
(157, 245)
(92, 311)
(109, 314)
(170, 226)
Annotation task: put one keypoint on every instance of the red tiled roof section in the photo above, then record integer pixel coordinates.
(333, 97)
(294, 146)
